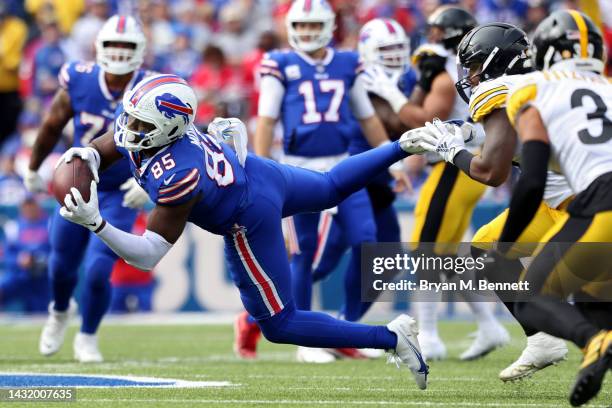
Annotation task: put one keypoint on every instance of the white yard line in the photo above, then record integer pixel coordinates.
(330, 402)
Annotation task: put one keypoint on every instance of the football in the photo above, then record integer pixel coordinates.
(76, 174)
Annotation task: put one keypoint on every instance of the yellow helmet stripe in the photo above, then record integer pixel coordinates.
(582, 29)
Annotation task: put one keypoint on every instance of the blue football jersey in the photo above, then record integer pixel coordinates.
(94, 108)
(406, 84)
(315, 112)
(195, 165)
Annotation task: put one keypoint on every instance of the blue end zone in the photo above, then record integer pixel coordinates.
(22, 380)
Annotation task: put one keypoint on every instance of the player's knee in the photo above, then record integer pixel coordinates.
(275, 328)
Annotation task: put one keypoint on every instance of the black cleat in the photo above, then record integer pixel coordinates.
(597, 360)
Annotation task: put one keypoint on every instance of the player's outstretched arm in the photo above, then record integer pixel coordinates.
(144, 251)
(50, 131)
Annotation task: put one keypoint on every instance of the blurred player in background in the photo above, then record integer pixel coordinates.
(448, 197)
(88, 96)
(316, 92)
(383, 44)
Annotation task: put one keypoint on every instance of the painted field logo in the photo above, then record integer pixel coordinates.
(22, 380)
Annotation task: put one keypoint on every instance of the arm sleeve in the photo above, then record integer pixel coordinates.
(270, 97)
(142, 251)
(529, 190)
(360, 101)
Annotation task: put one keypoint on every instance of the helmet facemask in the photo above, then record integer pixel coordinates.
(118, 57)
(135, 134)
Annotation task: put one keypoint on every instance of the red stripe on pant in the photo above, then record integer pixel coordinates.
(250, 263)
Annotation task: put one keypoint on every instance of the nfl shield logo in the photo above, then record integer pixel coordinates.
(293, 72)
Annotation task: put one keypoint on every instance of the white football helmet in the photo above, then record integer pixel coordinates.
(165, 101)
(120, 60)
(383, 42)
(310, 11)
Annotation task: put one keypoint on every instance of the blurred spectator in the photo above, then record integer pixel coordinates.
(215, 81)
(66, 11)
(268, 41)
(13, 33)
(508, 11)
(26, 251)
(197, 17)
(132, 288)
(182, 59)
(12, 190)
(47, 63)
(85, 30)
(234, 39)
(538, 10)
(162, 35)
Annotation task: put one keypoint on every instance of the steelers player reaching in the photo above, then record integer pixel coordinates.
(562, 114)
(448, 197)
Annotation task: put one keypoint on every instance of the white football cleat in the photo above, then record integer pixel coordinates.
(432, 347)
(407, 351)
(54, 330)
(487, 339)
(372, 353)
(86, 348)
(314, 355)
(542, 351)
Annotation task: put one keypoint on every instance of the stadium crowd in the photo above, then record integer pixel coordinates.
(215, 44)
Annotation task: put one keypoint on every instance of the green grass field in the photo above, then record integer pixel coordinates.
(203, 353)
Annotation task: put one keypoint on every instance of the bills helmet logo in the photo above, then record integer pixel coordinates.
(170, 106)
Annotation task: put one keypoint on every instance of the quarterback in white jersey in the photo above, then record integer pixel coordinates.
(562, 116)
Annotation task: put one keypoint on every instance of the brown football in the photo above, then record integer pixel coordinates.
(76, 174)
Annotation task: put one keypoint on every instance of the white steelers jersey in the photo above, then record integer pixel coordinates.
(491, 95)
(576, 108)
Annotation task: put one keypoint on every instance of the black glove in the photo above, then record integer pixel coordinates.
(430, 66)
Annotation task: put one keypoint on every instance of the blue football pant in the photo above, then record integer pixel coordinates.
(335, 245)
(256, 250)
(355, 219)
(71, 244)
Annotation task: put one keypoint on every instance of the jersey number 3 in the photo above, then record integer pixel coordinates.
(585, 136)
(306, 89)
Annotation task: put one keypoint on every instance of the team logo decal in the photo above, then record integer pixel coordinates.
(170, 106)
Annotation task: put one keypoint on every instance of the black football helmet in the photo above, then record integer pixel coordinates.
(490, 51)
(455, 22)
(571, 36)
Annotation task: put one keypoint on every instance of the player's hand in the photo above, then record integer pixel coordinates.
(417, 141)
(376, 81)
(402, 181)
(224, 129)
(89, 154)
(448, 139)
(135, 197)
(80, 212)
(33, 182)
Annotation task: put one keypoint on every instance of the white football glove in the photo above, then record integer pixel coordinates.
(135, 197)
(89, 154)
(80, 212)
(376, 81)
(416, 141)
(448, 139)
(33, 182)
(225, 129)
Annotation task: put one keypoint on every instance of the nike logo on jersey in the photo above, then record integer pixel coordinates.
(168, 180)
